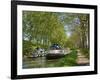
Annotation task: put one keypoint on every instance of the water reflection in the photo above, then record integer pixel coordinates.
(39, 62)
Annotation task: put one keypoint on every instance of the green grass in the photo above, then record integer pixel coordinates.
(68, 60)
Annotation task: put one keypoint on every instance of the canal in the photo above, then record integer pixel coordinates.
(39, 62)
(42, 62)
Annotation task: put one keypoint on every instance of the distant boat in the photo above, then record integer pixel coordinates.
(55, 52)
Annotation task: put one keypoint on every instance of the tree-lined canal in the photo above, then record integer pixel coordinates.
(48, 31)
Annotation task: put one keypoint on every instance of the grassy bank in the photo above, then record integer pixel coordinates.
(68, 60)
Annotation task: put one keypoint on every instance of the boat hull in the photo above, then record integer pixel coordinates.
(54, 56)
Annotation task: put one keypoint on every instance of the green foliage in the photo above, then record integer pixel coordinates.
(27, 48)
(43, 28)
(85, 51)
(68, 60)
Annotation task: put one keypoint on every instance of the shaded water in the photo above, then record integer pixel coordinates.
(39, 62)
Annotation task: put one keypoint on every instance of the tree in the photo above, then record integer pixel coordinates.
(78, 26)
(43, 28)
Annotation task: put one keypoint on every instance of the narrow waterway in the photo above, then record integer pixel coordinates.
(39, 62)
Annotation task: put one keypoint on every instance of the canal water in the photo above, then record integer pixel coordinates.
(39, 62)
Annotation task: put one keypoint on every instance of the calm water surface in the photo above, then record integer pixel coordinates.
(39, 62)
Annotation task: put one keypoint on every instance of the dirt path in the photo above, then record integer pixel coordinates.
(82, 60)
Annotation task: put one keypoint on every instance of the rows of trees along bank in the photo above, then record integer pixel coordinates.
(42, 29)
